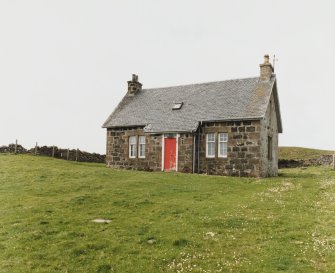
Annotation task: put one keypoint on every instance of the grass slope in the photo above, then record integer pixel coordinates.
(301, 153)
(200, 223)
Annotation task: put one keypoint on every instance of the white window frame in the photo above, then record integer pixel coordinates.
(224, 142)
(132, 146)
(141, 146)
(207, 145)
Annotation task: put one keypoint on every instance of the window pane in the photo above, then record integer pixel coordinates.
(141, 140)
(223, 137)
(223, 149)
(133, 150)
(142, 150)
(132, 146)
(177, 105)
(141, 146)
(211, 151)
(132, 140)
(210, 145)
(210, 138)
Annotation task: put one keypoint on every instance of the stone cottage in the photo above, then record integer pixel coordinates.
(224, 128)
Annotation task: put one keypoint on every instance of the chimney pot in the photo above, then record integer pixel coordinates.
(266, 59)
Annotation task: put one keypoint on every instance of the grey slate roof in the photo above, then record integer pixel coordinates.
(214, 101)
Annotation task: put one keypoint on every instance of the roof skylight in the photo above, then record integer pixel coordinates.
(177, 105)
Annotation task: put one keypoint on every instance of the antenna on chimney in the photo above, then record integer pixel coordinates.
(274, 61)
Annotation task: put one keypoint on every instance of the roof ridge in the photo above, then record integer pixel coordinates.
(201, 83)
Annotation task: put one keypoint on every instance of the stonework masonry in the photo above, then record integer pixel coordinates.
(243, 149)
(117, 154)
(269, 132)
(247, 149)
(185, 153)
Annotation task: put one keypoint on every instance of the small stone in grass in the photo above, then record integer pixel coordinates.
(151, 241)
(210, 234)
(101, 221)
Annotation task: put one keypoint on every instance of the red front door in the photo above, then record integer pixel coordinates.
(169, 154)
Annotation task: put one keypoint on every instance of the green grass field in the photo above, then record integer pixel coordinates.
(196, 223)
(301, 153)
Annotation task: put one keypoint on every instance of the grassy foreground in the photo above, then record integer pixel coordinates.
(301, 153)
(193, 223)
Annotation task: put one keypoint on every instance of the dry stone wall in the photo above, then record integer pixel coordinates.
(73, 154)
(324, 160)
(69, 154)
(11, 149)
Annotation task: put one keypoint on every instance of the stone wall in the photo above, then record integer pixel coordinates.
(185, 153)
(243, 149)
(324, 160)
(117, 154)
(269, 167)
(68, 154)
(11, 149)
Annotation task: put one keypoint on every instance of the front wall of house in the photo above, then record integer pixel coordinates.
(269, 128)
(243, 157)
(247, 149)
(185, 153)
(118, 150)
(117, 154)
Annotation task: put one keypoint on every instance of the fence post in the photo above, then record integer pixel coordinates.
(334, 162)
(77, 155)
(36, 148)
(53, 151)
(15, 151)
(68, 154)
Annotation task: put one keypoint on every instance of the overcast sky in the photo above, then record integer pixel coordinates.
(64, 64)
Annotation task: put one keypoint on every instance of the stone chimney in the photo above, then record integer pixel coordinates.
(266, 69)
(134, 86)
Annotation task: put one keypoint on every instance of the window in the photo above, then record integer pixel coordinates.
(177, 105)
(269, 148)
(223, 144)
(210, 145)
(132, 146)
(141, 146)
